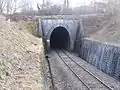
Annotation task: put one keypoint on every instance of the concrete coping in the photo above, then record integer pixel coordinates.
(75, 17)
(104, 42)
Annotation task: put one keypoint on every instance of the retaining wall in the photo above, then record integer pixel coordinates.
(105, 57)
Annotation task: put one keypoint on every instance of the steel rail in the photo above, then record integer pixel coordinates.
(74, 72)
(88, 71)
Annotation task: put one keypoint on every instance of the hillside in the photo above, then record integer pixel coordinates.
(21, 57)
(110, 31)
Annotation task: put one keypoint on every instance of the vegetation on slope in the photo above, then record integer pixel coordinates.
(21, 57)
(110, 31)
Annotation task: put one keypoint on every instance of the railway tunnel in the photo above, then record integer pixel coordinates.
(60, 38)
(58, 33)
(69, 34)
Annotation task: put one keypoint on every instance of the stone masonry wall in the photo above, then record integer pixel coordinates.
(105, 57)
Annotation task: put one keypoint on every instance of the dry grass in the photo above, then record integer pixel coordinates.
(21, 57)
(110, 32)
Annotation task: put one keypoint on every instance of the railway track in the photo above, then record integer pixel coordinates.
(90, 81)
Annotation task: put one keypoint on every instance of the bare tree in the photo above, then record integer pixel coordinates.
(113, 6)
(16, 6)
(8, 6)
(26, 5)
(11, 6)
(43, 2)
(66, 3)
(2, 5)
(45, 7)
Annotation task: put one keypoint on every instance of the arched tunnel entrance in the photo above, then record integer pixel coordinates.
(60, 39)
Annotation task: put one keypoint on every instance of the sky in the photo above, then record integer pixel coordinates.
(73, 3)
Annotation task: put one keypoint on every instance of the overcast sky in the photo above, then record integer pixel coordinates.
(73, 3)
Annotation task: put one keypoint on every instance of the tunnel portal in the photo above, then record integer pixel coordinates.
(60, 39)
(59, 32)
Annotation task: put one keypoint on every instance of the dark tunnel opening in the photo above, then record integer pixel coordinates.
(60, 39)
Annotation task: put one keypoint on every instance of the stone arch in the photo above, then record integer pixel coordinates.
(56, 26)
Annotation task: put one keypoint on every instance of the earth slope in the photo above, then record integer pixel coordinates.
(21, 57)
